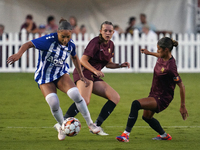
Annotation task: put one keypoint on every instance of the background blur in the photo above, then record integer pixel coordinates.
(178, 16)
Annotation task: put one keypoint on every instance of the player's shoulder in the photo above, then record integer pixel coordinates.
(111, 42)
(51, 36)
(95, 40)
(71, 43)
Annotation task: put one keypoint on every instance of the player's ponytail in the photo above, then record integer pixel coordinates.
(167, 42)
(175, 43)
(64, 25)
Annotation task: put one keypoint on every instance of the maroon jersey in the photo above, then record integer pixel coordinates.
(100, 55)
(164, 81)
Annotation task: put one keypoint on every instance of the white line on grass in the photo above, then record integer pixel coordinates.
(121, 127)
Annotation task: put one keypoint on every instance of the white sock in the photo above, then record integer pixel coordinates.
(74, 94)
(164, 135)
(127, 133)
(53, 101)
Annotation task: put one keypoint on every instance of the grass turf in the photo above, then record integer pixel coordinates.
(27, 124)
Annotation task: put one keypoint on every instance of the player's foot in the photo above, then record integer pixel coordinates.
(61, 135)
(168, 137)
(94, 129)
(123, 138)
(101, 132)
(57, 127)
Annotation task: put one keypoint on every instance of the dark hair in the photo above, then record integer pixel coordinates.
(167, 42)
(2, 26)
(131, 19)
(101, 39)
(143, 15)
(106, 22)
(50, 18)
(29, 17)
(82, 26)
(64, 25)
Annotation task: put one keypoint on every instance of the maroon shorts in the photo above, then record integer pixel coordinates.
(162, 103)
(87, 74)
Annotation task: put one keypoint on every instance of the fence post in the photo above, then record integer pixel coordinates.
(24, 57)
(136, 50)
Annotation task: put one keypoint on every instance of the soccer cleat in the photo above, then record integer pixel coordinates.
(57, 127)
(61, 135)
(102, 133)
(94, 129)
(123, 138)
(168, 137)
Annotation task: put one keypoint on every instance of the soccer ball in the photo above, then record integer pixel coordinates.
(71, 126)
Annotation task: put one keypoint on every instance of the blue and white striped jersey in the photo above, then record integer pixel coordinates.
(52, 58)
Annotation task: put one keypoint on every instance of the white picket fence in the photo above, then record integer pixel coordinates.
(127, 48)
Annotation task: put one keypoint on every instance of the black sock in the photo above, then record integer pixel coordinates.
(133, 115)
(154, 124)
(105, 112)
(72, 111)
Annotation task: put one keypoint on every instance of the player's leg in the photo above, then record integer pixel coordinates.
(85, 93)
(49, 92)
(144, 103)
(154, 124)
(66, 85)
(103, 89)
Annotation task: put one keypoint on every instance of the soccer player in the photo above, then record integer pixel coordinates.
(97, 55)
(165, 79)
(52, 72)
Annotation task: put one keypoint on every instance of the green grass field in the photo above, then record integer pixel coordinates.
(27, 124)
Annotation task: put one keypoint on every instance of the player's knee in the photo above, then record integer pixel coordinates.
(87, 101)
(136, 105)
(53, 101)
(74, 94)
(115, 98)
(145, 119)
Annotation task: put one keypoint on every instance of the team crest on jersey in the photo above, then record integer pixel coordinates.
(109, 50)
(162, 69)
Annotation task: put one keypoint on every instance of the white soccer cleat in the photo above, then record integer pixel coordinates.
(57, 126)
(61, 135)
(94, 129)
(102, 133)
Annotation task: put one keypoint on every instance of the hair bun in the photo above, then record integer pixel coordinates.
(175, 43)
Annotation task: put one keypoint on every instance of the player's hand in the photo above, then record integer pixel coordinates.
(145, 51)
(125, 64)
(99, 73)
(86, 81)
(13, 58)
(184, 113)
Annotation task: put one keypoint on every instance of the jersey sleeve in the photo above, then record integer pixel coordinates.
(43, 43)
(73, 53)
(175, 75)
(91, 48)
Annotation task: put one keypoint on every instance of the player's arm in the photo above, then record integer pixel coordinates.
(22, 49)
(112, 65)
(84, 61)
(183, 109)
(77, 65)
(145, 51)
